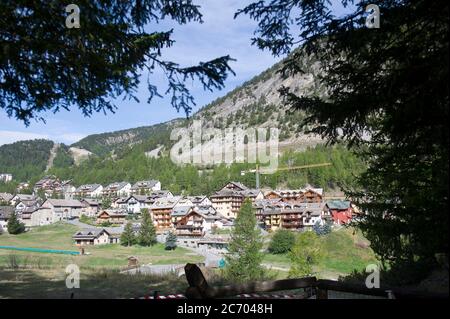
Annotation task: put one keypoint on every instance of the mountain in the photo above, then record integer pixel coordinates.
(254, 104)
(143, 152)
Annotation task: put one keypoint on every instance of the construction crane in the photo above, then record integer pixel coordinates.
(258, 170)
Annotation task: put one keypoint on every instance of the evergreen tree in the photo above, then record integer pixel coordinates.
(373, 79)
(14, 226)
(171, 241)
(128, 238)
(244, 257)
(147, 232)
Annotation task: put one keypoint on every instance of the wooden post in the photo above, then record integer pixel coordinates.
(198, 285)
(321, 293)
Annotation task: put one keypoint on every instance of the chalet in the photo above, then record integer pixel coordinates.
(26, 214)
(111, 216)
(228, 200)
(273, 214)
(145, 187)
(340, 210)
(179, 212)
(190, 225)
(90, 207)
(118, 189)
(306, 195)
(93, 236)
(52, 185)
(23, 205)
(161, 212)
(89, 190)
(22, 198)
(134, 203)
(211, 218)
(5, 214)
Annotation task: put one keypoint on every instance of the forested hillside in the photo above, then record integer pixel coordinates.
(25, 159)
(134, 166)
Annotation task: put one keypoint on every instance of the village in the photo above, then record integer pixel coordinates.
(197, 221)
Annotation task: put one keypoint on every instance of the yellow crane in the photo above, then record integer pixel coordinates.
(258, 170)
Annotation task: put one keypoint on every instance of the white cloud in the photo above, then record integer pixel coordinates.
(7, 137)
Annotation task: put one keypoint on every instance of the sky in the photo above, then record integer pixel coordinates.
(219, 35)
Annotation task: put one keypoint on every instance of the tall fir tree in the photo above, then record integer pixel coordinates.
(128, 237)
(14, 226)
(244, 258)
(147, 232)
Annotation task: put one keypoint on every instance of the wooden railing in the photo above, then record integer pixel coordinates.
(320, 288)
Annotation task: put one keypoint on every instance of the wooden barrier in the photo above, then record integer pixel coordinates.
(200, 289)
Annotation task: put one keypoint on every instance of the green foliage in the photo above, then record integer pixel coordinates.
(321, 230)
(106, 203)
(14, 226)
(147, 232)
(115, 49)
(171, 241)
(376, 87)
(305, 253)
(127, 238)
(25, 159)
(282, 242)
(243, 261)
(63, 157)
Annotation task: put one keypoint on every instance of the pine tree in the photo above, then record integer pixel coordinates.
(171, 241)
(128, 238)
(244, 257)
(14, 226)
(147, 232)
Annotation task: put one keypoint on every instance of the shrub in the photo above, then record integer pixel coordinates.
(282, 242)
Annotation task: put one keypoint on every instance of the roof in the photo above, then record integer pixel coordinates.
(113, 212)
(115, 186)
(64, 202)
(91, 202)
(144, 184)
(165, 202)
(25, 197)
(180, 211)
(6, 211)
(89, 233)
(6, 196)
(338, 204)
(139, 198)
(237, 184)
(87, 188)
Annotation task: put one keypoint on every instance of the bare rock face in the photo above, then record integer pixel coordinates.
(79, 154)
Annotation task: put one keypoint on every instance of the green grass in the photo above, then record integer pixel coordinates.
(42, 275)
(344, 250)
(59, 236)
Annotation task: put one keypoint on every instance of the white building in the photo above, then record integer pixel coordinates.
(118, 189)
(5, 177)
(89, 190)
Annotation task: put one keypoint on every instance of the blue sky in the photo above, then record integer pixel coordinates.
(219, 35)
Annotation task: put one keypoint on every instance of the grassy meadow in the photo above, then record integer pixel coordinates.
(42, 275)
